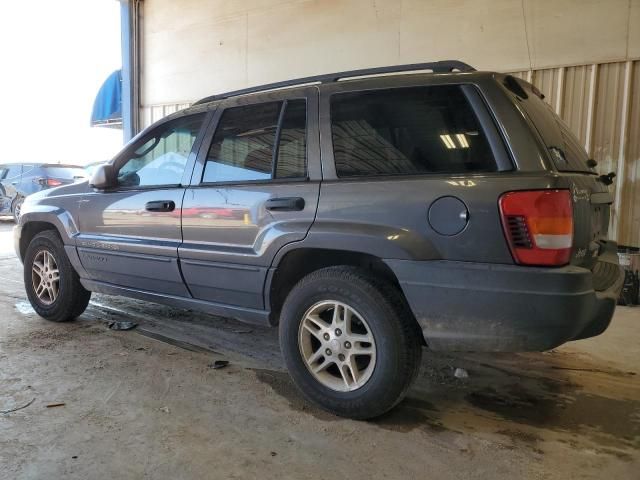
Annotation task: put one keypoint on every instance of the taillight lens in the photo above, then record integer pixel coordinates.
(538, 225)
(49, 182)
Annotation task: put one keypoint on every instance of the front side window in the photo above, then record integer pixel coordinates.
(249, 138)
(407, 131)
(161, 158)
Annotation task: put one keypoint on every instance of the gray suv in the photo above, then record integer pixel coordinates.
(367, 214)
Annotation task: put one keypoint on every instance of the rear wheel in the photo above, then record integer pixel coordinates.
(52, 285)
(349, 342)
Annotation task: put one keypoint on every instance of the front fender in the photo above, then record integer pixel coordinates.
(60, 218)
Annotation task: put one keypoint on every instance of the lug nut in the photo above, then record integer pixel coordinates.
(338, 332)
(347, 344)
(328, 352)
(326, 336)
(341, 357)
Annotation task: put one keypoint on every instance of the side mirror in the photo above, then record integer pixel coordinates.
(103, 177)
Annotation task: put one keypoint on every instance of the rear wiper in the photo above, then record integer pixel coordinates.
(608, 178)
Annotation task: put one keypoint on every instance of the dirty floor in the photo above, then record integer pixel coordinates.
(146, 403)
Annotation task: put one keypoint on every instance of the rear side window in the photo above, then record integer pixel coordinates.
(249, 139)
(565, 149)
(407, 131)
(67, 173)
(13, 171)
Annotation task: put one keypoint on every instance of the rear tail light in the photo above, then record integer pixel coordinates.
(49, 182)
(538, 225)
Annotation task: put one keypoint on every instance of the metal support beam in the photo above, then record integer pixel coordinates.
(624, 136)
(530, 76)
(591, 109)
(560, 92)
(130, 26)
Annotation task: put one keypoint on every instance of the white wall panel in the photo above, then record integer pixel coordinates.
(574, 51)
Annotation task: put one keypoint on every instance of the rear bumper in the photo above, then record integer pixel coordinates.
(487, 307)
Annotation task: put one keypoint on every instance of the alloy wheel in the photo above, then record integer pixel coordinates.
(45, 277)
(337, 346)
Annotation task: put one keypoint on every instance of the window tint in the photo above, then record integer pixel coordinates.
(243, 146)
(69, 173)
(292, 150)
(162, 158)
(566, 151)
(407, 131)
(13, 171)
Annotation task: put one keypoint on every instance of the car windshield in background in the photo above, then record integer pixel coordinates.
(566, 151)
(70, 173)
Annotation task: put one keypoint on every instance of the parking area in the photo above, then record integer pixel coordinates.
(147, 403)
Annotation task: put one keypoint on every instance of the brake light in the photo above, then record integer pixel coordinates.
(49, 182)
(538, 225)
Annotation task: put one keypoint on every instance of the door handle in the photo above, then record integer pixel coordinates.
(285, 204)
(160, 206)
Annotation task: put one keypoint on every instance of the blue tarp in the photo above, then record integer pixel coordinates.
(107, 107)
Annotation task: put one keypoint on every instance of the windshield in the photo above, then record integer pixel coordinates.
(565, 149)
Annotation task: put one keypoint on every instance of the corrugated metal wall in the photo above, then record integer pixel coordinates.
(154, 113)
(601, 104)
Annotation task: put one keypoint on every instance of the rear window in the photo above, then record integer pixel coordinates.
(67, 173)
(566, 151)
(407, 131)
(12, 171)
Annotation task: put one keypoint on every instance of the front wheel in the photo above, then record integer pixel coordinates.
(52, 284)
(350, 343)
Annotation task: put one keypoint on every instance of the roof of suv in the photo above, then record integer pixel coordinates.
(443, 66)
(41, 165)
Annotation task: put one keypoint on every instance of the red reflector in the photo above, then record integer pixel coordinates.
(52, 182)
(538, 225)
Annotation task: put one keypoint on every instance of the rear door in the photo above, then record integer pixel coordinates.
(129, 235)
(254, 189)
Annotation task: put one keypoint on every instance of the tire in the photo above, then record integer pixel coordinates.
(17, 207)
(70, 298)
(377, 307)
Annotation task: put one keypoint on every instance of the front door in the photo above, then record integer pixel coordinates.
(129, 235)
(255, 188)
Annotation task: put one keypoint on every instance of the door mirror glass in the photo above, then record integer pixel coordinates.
(103, 177)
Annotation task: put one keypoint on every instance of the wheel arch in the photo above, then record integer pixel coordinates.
(40, 218)
(299, 262)
(30, 230)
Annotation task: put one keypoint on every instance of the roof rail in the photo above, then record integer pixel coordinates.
(444, 66)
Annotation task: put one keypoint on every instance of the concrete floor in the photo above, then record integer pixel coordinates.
(136, 406)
